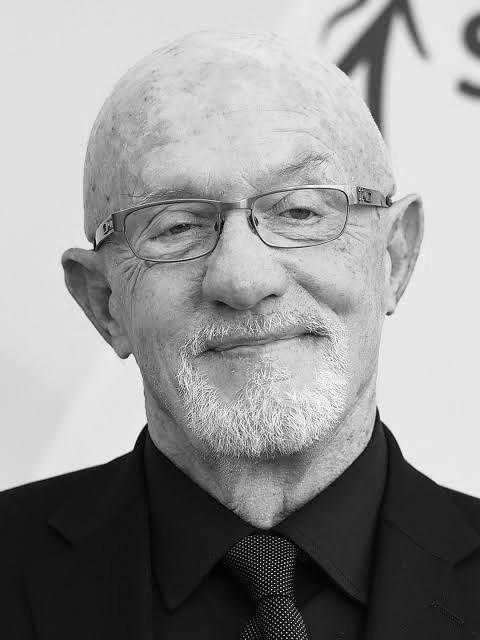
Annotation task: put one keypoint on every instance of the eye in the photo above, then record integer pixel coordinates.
(174, 230)
(165, 229)
(298, 213)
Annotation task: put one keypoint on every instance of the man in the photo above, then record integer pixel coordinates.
(246, 249)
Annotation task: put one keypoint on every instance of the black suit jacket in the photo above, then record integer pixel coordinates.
(75, 565)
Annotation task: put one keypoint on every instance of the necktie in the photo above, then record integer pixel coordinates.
(265, 565)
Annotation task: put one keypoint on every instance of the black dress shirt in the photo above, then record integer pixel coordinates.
(194, 596)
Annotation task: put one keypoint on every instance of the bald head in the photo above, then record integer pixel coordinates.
(213, 103)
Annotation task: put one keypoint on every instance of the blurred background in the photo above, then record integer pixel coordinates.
(67, 401)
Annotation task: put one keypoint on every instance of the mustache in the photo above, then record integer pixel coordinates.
(218, 330)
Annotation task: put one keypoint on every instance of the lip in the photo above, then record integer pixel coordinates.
(244, 344)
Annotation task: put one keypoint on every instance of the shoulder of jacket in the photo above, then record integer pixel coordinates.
(468, 504)
(24, 510)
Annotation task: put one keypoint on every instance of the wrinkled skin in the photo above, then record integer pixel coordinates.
(221, 116)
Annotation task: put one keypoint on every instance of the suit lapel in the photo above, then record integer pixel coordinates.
(422, 536)
(95, 582)
(408, 587)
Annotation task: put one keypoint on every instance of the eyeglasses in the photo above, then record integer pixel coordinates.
(186, 229)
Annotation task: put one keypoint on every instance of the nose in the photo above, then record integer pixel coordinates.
(242, 271)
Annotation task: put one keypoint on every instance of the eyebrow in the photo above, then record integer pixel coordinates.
(299, 163)
(305, 161)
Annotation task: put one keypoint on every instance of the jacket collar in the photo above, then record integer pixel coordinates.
(107, 490)
(424, 511)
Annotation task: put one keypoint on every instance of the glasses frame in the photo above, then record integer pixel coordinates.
(115, 222)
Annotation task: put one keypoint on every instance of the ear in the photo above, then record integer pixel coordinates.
(403, 246)
(86, 281)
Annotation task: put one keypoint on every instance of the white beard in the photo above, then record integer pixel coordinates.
(267, 417)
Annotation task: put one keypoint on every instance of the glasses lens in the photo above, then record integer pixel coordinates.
(301, 217)
(172, 232)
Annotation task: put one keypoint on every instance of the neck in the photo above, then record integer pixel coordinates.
(264, 492)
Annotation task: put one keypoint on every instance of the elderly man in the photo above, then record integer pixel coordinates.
(246, 249)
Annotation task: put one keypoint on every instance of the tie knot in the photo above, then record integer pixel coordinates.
(265, 564)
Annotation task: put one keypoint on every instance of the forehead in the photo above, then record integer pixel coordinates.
(239, 152)
(230, 105)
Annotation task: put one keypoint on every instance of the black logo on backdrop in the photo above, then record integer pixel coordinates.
(371, 48)
(471, 38)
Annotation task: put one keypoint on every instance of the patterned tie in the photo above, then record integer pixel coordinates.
(265, 564)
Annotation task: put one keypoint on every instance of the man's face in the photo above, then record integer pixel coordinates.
(196, 327)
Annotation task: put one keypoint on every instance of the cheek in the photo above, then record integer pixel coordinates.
(364, 280)
(160, 309)
(348, 278)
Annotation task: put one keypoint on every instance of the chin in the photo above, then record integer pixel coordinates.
(268, 416)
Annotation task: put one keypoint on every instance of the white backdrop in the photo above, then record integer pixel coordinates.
(66, 401)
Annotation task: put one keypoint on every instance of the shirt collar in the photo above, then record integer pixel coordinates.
(191, 531)
(337, 527)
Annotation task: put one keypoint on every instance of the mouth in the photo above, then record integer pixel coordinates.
(246, 345)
